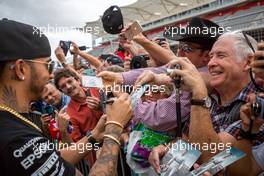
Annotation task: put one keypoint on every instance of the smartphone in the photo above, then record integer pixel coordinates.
(65, 45)
(133, 30)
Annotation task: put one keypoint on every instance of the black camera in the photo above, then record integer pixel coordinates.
(258, 108)
(161, 40)
(112, 59)
(139, 61)
(105, 56)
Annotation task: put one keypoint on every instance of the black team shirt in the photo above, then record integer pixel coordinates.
(24, 151)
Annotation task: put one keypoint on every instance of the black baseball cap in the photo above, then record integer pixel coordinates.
(19, 40)
(194, 32)
(114, 60)
(113, 20)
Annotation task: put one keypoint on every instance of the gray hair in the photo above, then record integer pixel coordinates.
(241, 46)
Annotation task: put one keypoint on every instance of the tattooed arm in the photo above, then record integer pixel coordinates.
(119, 112)
(106, 164)
(74, 154)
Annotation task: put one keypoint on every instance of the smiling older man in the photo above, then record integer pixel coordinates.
(216, 118)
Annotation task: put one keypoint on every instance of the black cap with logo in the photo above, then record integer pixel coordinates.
(113, 20)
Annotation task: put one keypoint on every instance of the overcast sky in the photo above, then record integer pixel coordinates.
(58, 13)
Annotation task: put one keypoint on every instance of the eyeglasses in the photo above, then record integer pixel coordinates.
(50, 64)
(187, 48)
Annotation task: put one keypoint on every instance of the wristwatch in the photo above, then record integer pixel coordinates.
(90, 137)
(206, 102)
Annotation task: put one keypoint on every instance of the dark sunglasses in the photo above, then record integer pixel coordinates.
(187, 48)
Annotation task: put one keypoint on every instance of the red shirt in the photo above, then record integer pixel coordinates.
(83, 118)
(121, 55)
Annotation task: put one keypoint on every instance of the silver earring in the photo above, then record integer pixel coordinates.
(23, 78)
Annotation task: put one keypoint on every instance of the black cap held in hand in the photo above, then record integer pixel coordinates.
(113, 20)
(22, 41)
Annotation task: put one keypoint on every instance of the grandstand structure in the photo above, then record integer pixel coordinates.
(155, 15)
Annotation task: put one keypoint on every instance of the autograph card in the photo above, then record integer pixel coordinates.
(179, 159)
(92, 81)
(219, 162)
(135, 96)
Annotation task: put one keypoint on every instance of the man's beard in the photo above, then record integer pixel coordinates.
(34, 86)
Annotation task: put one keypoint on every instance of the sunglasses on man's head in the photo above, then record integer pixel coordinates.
(247, 40)
(251, 72)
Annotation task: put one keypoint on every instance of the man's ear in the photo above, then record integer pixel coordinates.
(206, 57)
(20, 69)
(79, 81)
(247, 63)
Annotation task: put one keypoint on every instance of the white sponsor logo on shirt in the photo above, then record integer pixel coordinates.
(47, 165)
(18, 152)
(37, 153)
